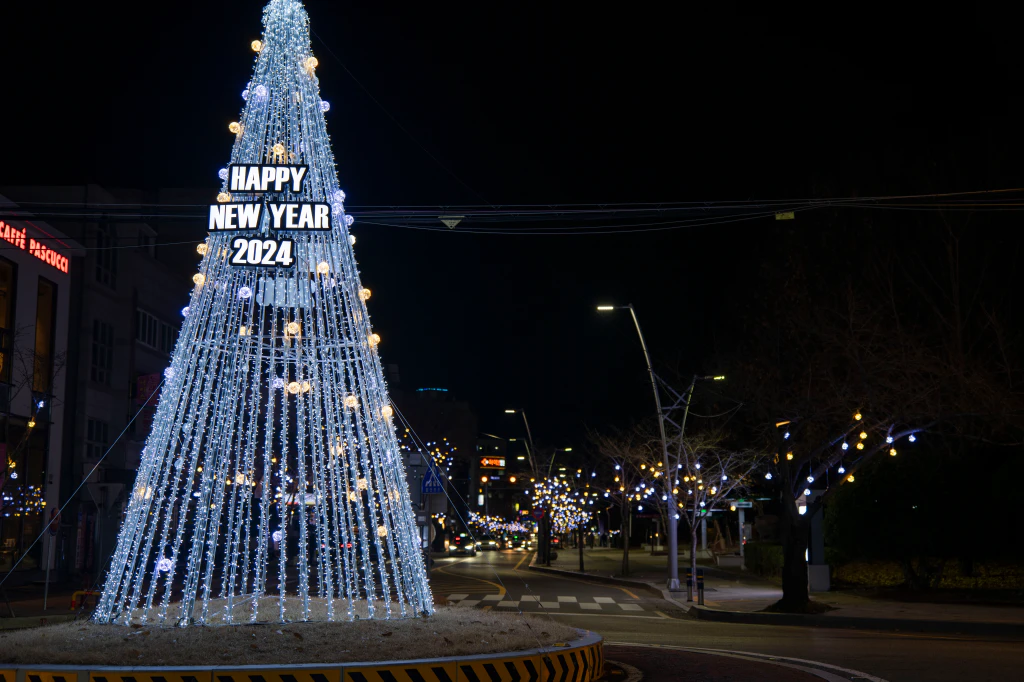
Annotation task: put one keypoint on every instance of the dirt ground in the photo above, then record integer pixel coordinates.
(451, 631)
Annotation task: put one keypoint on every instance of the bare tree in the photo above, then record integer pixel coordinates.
(629, 459)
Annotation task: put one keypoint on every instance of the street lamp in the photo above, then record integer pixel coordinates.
(673, 540)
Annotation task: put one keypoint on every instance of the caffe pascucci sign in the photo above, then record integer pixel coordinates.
(250, 216)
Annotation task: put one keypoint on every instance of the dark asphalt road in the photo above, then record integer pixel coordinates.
(648, 620)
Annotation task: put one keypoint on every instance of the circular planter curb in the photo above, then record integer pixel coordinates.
(581, 660)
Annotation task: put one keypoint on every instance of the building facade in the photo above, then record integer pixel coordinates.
(36, 288)
(126, 293)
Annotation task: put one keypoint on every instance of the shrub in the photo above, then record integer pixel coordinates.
(763, 559)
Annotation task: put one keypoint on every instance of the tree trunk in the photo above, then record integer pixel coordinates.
(795, 595)
(693, 554)
(625, 540)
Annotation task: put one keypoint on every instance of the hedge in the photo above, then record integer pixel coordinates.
(763, 559)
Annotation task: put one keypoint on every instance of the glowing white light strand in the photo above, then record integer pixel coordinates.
(239, 473)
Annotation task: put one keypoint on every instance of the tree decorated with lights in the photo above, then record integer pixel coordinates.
(272, 485)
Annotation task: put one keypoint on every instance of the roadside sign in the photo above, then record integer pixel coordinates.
(537, 514)
(431, 483)
(743, 504)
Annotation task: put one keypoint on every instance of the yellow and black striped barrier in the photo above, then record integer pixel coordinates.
(581, 660)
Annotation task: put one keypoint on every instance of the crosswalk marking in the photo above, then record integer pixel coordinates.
(568, 599)
(590, 607)
(506, 602)
(631, 607)
(533, 602)
(599, 600)
(492, 597)
(550, 605)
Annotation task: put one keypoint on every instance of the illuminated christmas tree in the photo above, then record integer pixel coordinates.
(272, 485)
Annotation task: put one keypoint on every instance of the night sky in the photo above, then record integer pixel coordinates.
(499, 104)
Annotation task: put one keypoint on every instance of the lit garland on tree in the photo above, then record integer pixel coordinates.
(273, 477)
(496, 524)
(564, 506)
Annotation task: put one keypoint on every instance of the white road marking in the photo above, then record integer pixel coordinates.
(492, 597)
(567, 599)
(599, 600)
(529, 597)
(590, 607)
(631, 607)
(550, 605)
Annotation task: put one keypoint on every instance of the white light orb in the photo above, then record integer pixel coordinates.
(169, 373)
(278, 382)
(382, 532)
(277, 535)
(349, 220)
(351, 401)
(339, 195)
(163, 565)
(245, 94)
(244, 293)
(222, 174)
(184, 311)
(325, 106)
(260, 91)
(337, 207)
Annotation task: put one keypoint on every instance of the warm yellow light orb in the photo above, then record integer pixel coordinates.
(293, 328)
(789, 455)
(850, 478)
(323, 267)
(256, 45)
(294, 387)
(235, 127)
(305, 387)
(860, 446)
(382, 531)
(243, 331)
(863, 435)
(278, 149)
(364, 294)
(374, 340)
(362, 484)
(199, 278)
(858, 416)
(892, 452)
(387, 411)
(351, 401)
(352, 497)
(223, 198)
(311, 63)
(202, 249)
(511, 479)
(483, 479)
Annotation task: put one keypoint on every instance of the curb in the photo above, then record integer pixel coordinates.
(581, 660)
(855, 623)
(637, 584)
(21, 622)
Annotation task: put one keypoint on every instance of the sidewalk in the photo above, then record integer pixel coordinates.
(743, 597)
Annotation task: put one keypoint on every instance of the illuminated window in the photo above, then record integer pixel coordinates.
(102, 352)
(46, 323)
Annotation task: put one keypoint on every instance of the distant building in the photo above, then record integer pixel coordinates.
(126, 295)
(37, 267)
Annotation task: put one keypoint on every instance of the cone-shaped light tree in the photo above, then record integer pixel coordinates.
(272, 486)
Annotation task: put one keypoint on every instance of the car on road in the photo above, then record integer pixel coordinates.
(488, 543)
(461, 544)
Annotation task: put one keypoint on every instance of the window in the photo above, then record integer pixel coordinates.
(102, 352)
(151, 332)
(106, 256)
(8, 274)
(46, 323)
(97, 438)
